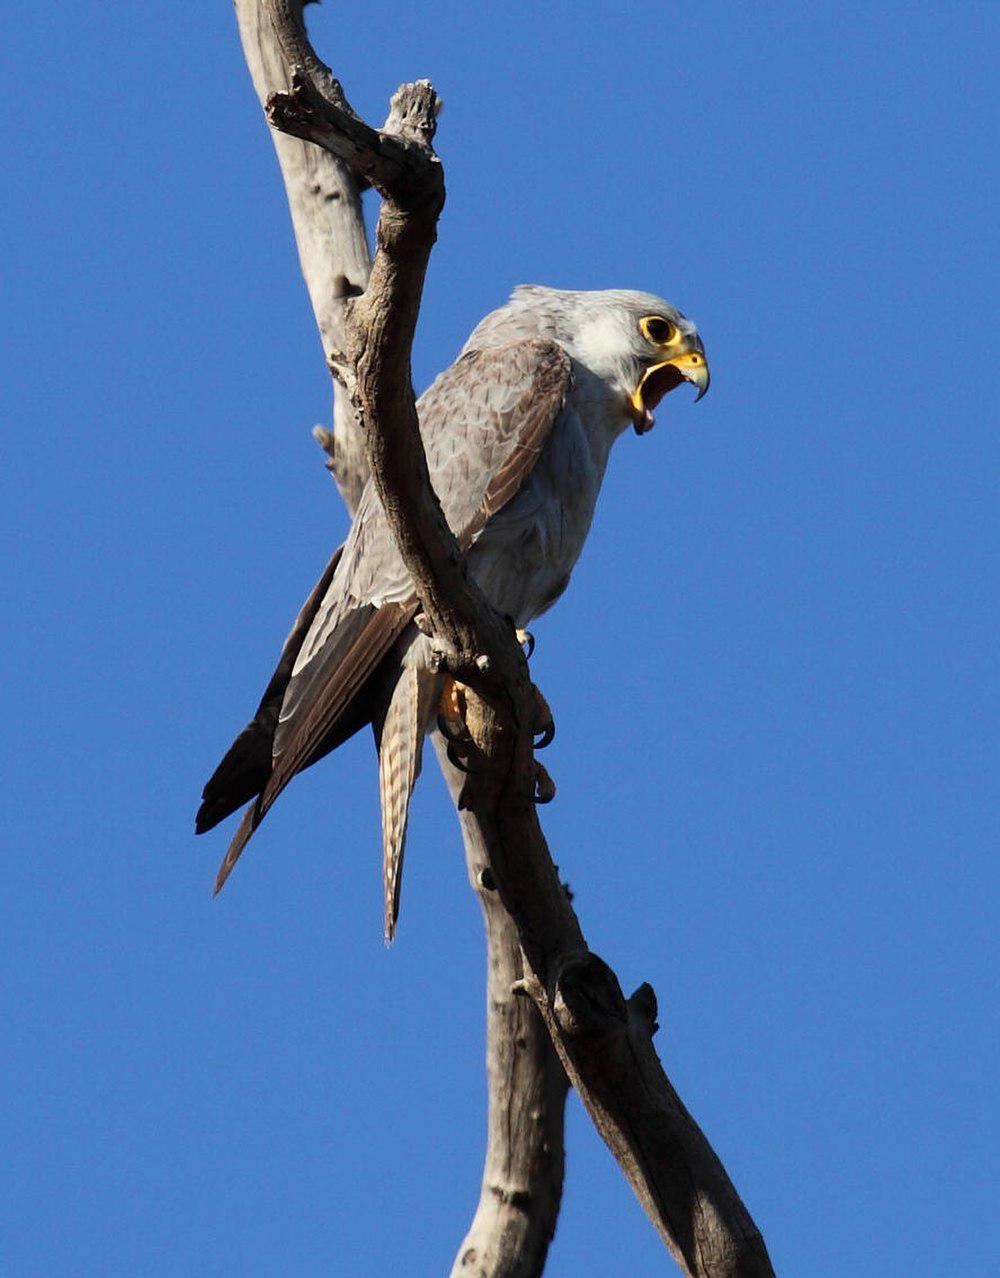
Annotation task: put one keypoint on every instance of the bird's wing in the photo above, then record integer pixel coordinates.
(484, 422)
(333, 709)
(247, 764)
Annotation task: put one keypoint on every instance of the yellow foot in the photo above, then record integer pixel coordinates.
(451, 724)
(451, 704)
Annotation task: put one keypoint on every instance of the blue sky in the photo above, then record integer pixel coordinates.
(773, 676)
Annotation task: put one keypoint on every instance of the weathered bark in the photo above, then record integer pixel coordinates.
(603, 1041)
(523, 1174)
(526, 1084)
(324, 199)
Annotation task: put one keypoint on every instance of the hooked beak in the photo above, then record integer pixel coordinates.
(661, 379)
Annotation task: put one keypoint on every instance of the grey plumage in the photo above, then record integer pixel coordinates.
(517, 434)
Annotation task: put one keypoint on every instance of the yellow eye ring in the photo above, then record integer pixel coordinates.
(658, 331)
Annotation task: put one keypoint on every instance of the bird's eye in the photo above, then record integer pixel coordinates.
(658, 330)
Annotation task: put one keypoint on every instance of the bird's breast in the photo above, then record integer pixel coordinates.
(526, 553)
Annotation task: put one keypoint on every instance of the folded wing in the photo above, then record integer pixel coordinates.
(484, 423)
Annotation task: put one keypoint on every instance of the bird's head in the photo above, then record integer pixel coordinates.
(636, 343)
(671, 353)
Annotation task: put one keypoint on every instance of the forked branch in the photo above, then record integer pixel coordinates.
(523, 1167)
(603, 1040)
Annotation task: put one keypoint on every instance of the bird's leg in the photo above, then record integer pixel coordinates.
(451, 710)
(543, 727)
(451, 722)
(451, 701)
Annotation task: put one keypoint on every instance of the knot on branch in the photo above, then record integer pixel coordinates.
(327, 440)
(642, 1004)
(399, 161)
(545, 787)
(343, 289)
(512, 1196)
(588, 999)
(413, 112)
(297, 111)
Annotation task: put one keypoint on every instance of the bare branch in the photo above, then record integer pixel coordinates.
(604, 1042)
(324, 199)
(523, 1169)
(395, 162)
(522, 1177)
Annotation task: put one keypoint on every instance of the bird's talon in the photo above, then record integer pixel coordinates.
(451, 703)
(451, 713)
(457, 762)
(453, 729)
(527, 641)
(545, 736)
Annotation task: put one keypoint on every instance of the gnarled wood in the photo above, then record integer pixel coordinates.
(603, 1041)
(324, 199)
(523, 1168)
(523, 1173)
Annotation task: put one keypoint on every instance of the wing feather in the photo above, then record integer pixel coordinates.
(319, 719)
(484, 423)
(247, 763)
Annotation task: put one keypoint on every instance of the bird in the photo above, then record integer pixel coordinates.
(517, 433)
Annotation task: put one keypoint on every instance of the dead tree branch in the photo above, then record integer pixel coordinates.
(603, 1040)
(523, 1167)
(324, 199)
(523, 1174)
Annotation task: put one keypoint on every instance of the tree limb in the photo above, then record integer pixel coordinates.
(603, 1041)
(324, 199)
(523, 1172)
(523, 1168)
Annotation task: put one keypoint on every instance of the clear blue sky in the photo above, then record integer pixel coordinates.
(773, 675)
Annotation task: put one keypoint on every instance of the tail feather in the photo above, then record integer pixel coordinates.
(249, 822)
(335, 704)
(400, 747)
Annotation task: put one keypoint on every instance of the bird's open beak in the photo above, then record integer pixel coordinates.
(661, 379)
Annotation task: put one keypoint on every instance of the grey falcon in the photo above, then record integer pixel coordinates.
(517, 434)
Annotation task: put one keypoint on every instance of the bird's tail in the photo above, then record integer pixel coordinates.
(252, 817)
(400, 746)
